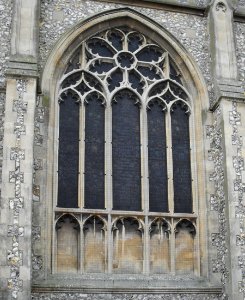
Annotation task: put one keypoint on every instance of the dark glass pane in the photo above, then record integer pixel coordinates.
(136, 81)
(100, 67)
(94, 154)
(178, 91)
(74, 62)
(68, 153)
(158, 180)
(158, 88)
(72, 79)
(100, 47)
(168, 96)
(126, 153)
(149, 54)
(116, 37)
(125, 60)
(149, 72)
(181, 160)
(134, 41)
(115, 79)
(174, 74)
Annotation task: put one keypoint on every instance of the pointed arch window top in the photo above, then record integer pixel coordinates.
(121, 58)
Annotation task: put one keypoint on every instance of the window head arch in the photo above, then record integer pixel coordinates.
(123, 63)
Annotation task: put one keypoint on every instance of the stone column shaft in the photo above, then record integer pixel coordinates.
(17, 177)
(230, 99)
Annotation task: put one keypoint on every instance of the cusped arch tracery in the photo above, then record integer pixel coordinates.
(67, 237)
(110, 67)
(128, 245)
(95, 247)
(122, 58)
(185, 250)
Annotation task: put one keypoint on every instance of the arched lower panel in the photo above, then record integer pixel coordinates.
(127, 246)
(184, 247)
(159, 246)
(95, 253)
(67, 236)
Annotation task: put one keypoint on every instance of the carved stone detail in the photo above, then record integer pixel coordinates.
(14, 255)
(220, 6)
(239, 186)
(57, 17)
(217, 199)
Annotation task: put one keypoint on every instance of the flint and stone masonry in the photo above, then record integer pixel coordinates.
(38, 39)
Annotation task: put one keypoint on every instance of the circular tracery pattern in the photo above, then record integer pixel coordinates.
(125, 60)
(120, 58)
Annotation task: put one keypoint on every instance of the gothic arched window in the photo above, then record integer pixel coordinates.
(124, 154)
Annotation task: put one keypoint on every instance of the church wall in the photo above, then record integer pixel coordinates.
(6, 8)
(191, 30)
(224, 158)
(56, 18)
(239, 31)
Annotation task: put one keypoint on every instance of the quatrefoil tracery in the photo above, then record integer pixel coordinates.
(120, 59)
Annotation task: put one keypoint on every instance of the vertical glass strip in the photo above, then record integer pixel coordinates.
(68, 153)
(126, 153)
(157, 161)
(181, 160)
(94, 154)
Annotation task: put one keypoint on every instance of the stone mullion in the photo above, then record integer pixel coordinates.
(110, 244)
(82, 246)
(169, 162)
(108, 157)
(54, 247)
(108, 182)
(146, 247)
(197, 270)
(81, 191)
(145, 185)
(172, 247)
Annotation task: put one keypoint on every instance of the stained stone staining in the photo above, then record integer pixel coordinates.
(95, 250)
(127, 246)
(100, 129)
(67, 231)
(184, 247)
(159, 246)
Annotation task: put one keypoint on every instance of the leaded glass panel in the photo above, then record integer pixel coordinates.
(68, 152)
(94, 153)
(118, 78)
(126, 168)
(181, 159)
(157, 160)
